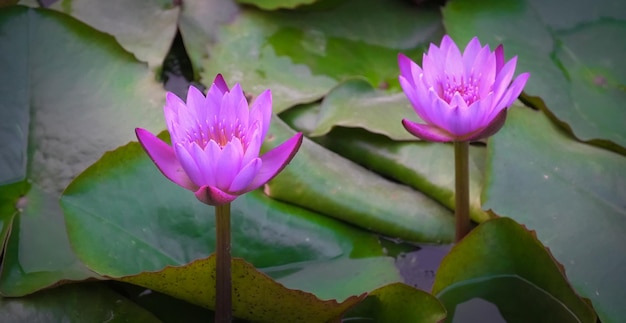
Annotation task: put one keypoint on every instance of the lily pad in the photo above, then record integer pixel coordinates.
(503, 263)
(74, 303)
(427, 167)
(255, 295)
(355, 103)
(258, 49)
(397, 303)
(61, 108)
(572, 194)
(145, 28)
(155, 223)
(345, 190)
(578, 71)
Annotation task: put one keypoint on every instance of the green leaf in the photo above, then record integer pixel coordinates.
(199, 24)
(145, 28)
(255, 295)
(337, 279)
(355, 103)
(155, 223)
(344, 190)
(572, 194)
(397, 303)
(427, 167)
(301, 55)
(503, 263)
(61, 108)
(577, 71)
(91, 302)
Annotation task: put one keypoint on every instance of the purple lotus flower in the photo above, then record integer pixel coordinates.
(461, 97)
(216, 142)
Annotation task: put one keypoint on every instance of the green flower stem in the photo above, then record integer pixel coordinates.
(223, 280)
(461, 192)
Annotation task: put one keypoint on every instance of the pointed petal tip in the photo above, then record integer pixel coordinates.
(164, 158)
(426, 132)
(275, 160)
(220, 83)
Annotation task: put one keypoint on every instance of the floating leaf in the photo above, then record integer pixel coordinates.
(145, 28)
(427, 167)
(73, 303)
(61, 108)
(355, 103)
(572, 194)
(503, 263)
(397, 303)
(301, 55)
(346, 191)
(577, 71)
(155, 223)
(255, 295)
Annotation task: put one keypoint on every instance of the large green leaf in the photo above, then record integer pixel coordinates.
(572, 194)
(503, 263)
(577, 68)
(154, 223)
(397, 303)
(256, 296)
(199, 25)
(427, 167)
(300, 55)
(62, 106)
(145, 28)
(355, 103)
(345, 190)
(91, 302)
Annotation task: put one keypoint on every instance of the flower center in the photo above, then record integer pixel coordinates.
(217, 130)
(468, 89)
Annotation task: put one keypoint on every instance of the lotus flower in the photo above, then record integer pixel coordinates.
(461, 97)
(216, 142)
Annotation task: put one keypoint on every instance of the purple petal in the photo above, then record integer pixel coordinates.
(438, 111)
(189, 164)
(254, 145)
(405, 65)
(228, 164)
(485, 69)
(470, 54)
(503, 79)
(426, 132)
(164, 158)
(433, 67)
(261, 111)
(220, 83)
(462, 120)
(446, 44)
(499, 54)
(492, 128)
(245, 176)
(173, 104)
(419, 102)
(214, 196)
(205, 161)
(195, 100)
(453, 61)
(511, 94)
(275, 160)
